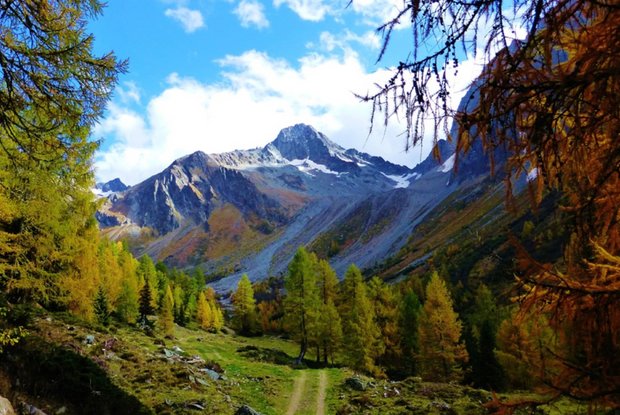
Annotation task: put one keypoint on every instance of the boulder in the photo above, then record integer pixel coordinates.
(355, 384)
(5, 407)
(211, 373)
(30, 409)
(246, 410)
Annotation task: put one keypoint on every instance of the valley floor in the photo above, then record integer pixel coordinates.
(68, 367)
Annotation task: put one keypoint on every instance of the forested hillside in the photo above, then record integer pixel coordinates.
(495, 293)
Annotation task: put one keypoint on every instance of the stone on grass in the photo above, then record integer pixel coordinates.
(246, 410)
(355, 383)
(211, 373)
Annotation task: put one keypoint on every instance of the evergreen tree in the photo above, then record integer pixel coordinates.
(127, 307)
(330, 330)
(485, 316)
(385, 307)
(52, 90)
(363, 344)
(166, 316)
(204, 314)
(301, 300)
(244, 306)
(102, 307)
(409, 322)
(441, 352)
(329, 326)
(146, 302)
(180, 316)
(148, 272)
(218, 317)
(489, 372)
(550, 103)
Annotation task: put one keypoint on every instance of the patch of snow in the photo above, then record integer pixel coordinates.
(343, 158)
(306, 165)
(531, 176)
(402, 182)
(99, 193)
(447, 165)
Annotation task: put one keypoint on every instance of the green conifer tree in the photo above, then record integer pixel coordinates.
(204, 314)
(166, 313)
(441, 351)
(489, 373)
(409, 321)
(127, 307)
(148, 272)
(329, 325)
(483, 322)
(102, 307)
(363, 344)
(301, 300)
(53, 88)
(218, 317)
(244, 306)
(146, 302)
(385, 307)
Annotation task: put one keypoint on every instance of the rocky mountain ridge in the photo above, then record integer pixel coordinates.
(248, 210)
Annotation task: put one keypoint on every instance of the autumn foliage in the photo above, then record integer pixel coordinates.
(552, 102)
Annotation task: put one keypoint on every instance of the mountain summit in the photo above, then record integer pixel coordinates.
(302, 142)
(248, 210)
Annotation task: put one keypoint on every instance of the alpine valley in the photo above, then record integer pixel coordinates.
(247, 211)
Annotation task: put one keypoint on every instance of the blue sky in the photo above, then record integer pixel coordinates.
(218, 75)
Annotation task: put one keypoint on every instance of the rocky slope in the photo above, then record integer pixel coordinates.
(247, 211)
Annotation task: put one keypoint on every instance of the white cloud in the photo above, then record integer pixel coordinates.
(312, 10)
(370, 12)
(191, 20)
(377, 12)
(251, 13)
(128, 93)
(330, 42)
(257, 96)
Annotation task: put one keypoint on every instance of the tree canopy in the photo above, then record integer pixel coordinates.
(551, 100)
(52, 89)
(52, 83)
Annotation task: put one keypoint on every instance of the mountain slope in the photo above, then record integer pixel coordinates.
(248, 210)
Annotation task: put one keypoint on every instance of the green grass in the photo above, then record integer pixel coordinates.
(135, 370)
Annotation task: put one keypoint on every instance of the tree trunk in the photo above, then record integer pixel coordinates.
(325, 353)
(302, 351)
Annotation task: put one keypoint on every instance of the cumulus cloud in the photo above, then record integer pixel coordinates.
(191, 20)
(377, 12)
(251, 13)
(257, 96)
(128, 93)
(311, 10)
(330, 42)
(371, 12)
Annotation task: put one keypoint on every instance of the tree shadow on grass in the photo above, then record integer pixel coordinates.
(38, 368)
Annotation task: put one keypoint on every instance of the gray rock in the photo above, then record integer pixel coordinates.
(30, 409)
(355, 384)
(5, 407)
(246, 410)
(212, 373)
(90, 339)
(169, 353)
